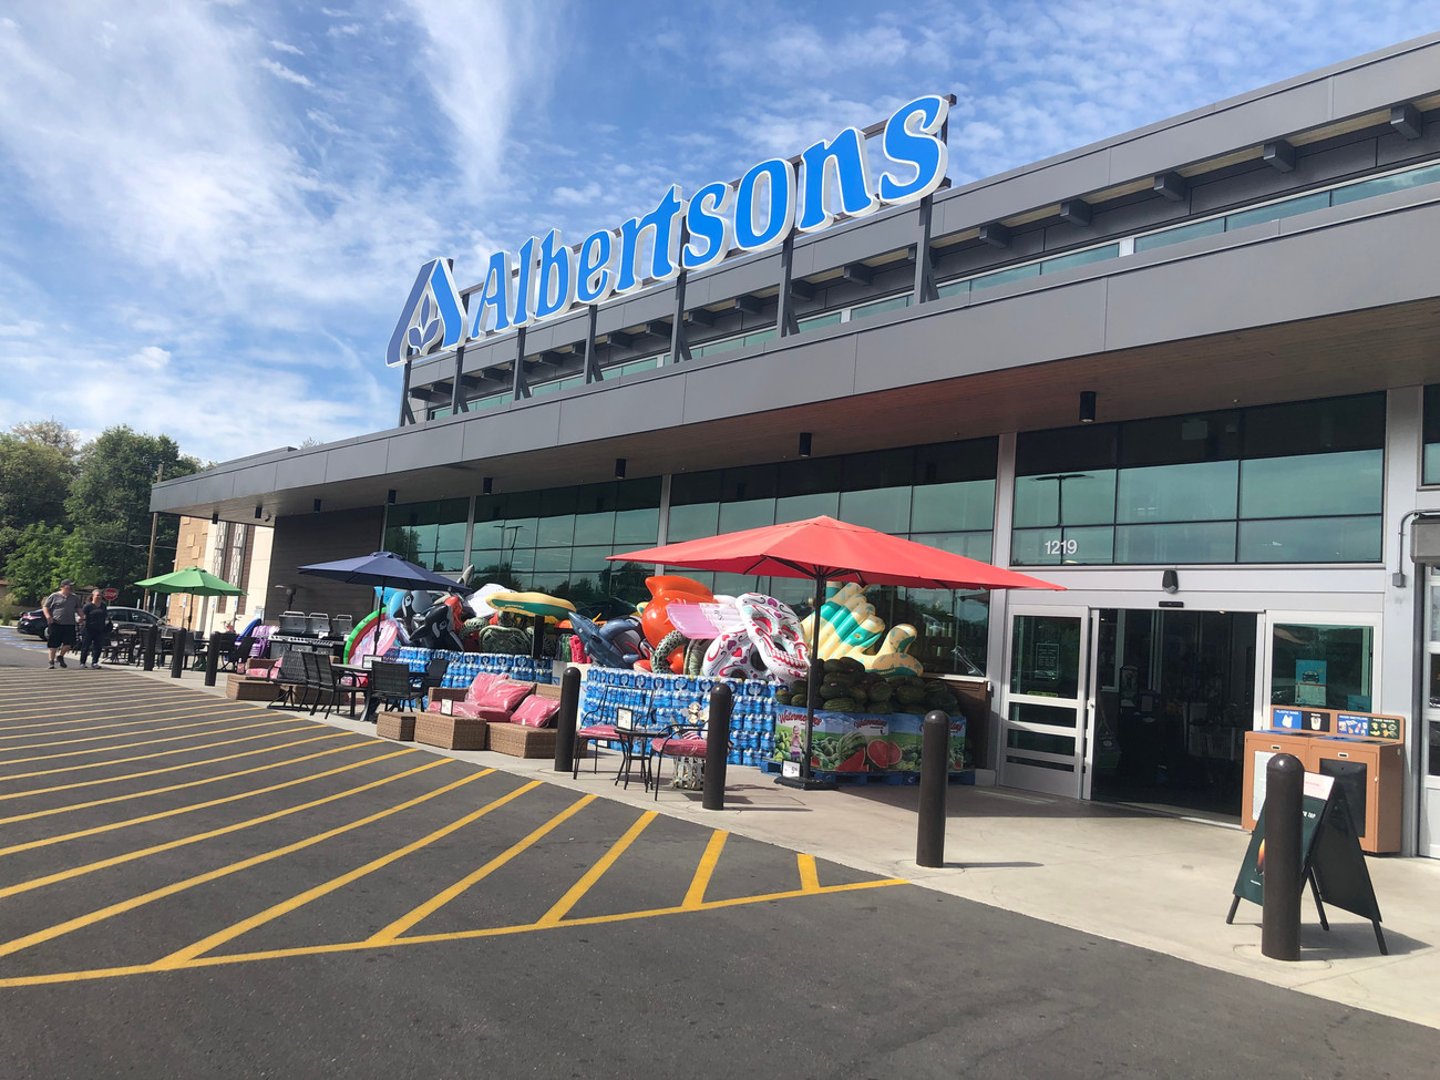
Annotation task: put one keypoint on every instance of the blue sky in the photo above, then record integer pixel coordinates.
(211, 213)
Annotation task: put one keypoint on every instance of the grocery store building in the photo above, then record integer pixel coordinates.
(1192, 373)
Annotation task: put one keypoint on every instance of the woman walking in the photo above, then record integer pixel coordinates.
(96, 629)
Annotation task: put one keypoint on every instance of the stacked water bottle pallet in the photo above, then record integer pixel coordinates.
(661, 699)
(464, 666)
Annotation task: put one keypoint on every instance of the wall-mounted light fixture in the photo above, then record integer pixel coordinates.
(487, 485)
(1087, 406)
(805, 444)
(214, 517)
(619, 468)
(258, 511)
(317, 506)
(390, 497)
(1170, 581)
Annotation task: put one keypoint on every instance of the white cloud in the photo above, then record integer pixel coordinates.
(286, 47)
(150, 358)
(344, 30)
(280, 71)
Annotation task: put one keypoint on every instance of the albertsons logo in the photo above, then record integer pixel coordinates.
(433, 316)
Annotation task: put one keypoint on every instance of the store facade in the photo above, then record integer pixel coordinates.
(1182, 372)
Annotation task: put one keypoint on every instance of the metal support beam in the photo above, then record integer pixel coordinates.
(407, 414)
(457, 391)
(1172, 186)
(1406, 121)
(1076, 212)
(925, 289)
(857, 274)
(785, 300)
(701, 317)
(620, 338)
(750, 305)
(995, 234)
(519, 388)
(679, 338)
(1280, 156)
(592, 364)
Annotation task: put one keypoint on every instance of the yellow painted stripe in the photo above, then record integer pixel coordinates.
(114, 746)
(695, 895)
(86, 724)
(809, 875)
(285, 907)
(444, 896)
(587, 880)
(292, 724)
(50, 933)
(160, 815)
(70, 808)
(225, 830)
(87, 704)
(184, 765)
(62, 977)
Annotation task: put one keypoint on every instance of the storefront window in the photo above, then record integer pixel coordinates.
(1430, 474)
(1209, 488)
(941, 494)
(429, 533)
(1327, 666)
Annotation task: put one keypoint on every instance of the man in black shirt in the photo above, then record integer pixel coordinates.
(62, 610)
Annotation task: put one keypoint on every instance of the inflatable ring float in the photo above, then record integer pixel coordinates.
(776, 632)
(733, 655)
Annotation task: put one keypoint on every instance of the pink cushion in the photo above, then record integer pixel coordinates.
(482, 683)
(597, 731)
(504, 695)
(495, 716)
(689, 746)
(537, 712)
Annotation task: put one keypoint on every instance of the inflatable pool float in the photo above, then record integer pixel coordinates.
(533, 604)
(776, 634)
(361, 641)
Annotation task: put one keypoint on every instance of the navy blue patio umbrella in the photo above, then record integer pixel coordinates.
(382, 570)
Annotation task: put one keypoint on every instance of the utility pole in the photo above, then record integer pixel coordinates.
(154, 522)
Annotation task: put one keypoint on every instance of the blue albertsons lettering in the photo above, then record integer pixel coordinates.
(770, 202)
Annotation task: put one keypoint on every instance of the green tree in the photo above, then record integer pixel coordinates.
(34, 567)
(34, 483)
(51, 433)
(109, 505)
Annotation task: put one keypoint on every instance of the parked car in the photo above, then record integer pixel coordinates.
(133, 616)
(32, 622)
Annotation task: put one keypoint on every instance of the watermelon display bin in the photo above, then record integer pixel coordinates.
(853, 745)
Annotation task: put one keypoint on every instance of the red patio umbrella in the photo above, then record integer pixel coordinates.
(823, 549)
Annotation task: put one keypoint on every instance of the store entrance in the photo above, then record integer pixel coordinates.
(1174, 696)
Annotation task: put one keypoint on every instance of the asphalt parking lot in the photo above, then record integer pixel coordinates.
(194, 886)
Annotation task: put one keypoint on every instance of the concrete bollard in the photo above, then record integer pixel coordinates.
(567, 721)
(717, 747)
(934, 782)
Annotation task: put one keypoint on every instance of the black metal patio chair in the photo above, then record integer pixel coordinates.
(390, 685)
(294, 681)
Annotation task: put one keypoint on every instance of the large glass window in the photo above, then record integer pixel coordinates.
(1430, 473)
(429, 533)
(1327, 666)
(557, 541)
(942, 495)
(1293, 483)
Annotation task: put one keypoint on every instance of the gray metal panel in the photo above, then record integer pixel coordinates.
(1263, 181)
(752, 275)
(872, 237)
(440, 445)
(1391, 81)
(1027, 190)
(367, 459)
(1393, 149)
(515, 431)
(1253, 123)
(301, 470)
(1027, 328)
(650, 404)
(1297, 276)
(815, 371)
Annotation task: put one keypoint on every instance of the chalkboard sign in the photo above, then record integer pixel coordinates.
(1332, 861)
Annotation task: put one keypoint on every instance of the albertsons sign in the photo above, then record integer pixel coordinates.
(771, 201)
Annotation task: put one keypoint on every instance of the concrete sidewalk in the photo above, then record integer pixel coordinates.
(1145, 879)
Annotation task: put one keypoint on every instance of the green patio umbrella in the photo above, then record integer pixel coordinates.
(192, 581)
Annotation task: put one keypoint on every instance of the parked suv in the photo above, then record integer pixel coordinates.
(33, 622)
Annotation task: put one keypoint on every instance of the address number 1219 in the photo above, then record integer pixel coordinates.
(1062, 547)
